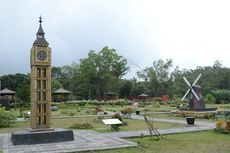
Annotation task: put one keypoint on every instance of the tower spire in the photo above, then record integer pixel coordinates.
(40, 35)
(40, 19)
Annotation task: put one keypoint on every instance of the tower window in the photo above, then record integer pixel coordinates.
(44, 84)
(38, 96)
(44, 120)
(38, 72)
(38, 84)
(44, 96)
(39, 108)
(44, 72)
(44, 108)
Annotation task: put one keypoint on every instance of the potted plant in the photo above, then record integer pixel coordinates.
(190, 120)
(137, 112)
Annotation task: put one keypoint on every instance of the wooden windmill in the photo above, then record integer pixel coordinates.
(196, 101)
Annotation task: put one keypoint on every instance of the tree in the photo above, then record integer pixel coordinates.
(125, 88)
(158, 79)
(12, 81)
(23, 94)
(102, 70)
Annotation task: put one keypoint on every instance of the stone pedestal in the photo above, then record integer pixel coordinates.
(39, 137)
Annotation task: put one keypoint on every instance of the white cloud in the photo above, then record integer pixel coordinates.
(192, 33)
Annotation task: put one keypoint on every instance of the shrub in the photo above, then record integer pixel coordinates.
(118, 116)
(209, 98)
(219, 125)
(227, 126)
(26, 116)
(97, 110)
(222, 96)
(157, 99)
(208, 116)
(81, 126)
(222, 127)
(6, 118)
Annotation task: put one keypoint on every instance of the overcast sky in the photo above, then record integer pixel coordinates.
(191, 32)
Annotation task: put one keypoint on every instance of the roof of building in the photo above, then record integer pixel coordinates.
(7, 91)
(61, 91)
(143, 95)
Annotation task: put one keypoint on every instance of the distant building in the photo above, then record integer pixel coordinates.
(7, 98)
(60, 95)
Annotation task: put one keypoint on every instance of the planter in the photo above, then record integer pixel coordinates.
(137, 112)
(190, 120)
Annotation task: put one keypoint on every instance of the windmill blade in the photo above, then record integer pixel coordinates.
(187, 82)
(196, 79)
(185, 94)
(194, 93)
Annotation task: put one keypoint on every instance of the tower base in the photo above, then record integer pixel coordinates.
(39, 137)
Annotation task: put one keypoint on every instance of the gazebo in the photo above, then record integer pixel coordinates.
(60, 95)
(7, 97)
(143, 96)
(110, 95)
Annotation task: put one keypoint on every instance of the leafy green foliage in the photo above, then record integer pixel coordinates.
(222, 96)
(118, 116)
(209, 98)
(158, 78)
(6, 118)
(19, 83)
(23, 94)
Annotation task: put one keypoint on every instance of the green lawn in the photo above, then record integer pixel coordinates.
(97, 125)
(199, 142)
(172, 116)
(218, 106)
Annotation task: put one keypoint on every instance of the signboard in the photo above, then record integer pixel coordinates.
(111, 121)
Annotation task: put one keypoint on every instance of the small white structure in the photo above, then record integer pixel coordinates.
(113, 122)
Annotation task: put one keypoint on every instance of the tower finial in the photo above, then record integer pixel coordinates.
(40, 19)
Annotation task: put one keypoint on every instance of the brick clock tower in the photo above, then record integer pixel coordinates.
(40, 101)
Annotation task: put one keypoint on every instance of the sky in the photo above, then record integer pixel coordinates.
(191, 33)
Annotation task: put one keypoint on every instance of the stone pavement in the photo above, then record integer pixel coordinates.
(199, 126)
(198, 123)
(86, 140)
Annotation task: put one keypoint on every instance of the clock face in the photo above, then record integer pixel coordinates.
(42, 55)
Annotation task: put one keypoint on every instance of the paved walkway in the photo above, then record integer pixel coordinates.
(86, 140)
(199, 126)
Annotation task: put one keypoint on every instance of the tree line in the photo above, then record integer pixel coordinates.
(102, 72)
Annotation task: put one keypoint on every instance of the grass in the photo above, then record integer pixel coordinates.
(97, 125)
(218, 106)
(171, 116)
(199, 142)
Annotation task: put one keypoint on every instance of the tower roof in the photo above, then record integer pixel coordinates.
(40, 40)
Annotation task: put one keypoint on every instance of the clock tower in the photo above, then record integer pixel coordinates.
(40, 101)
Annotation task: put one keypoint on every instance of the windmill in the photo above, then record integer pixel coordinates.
(196, 101)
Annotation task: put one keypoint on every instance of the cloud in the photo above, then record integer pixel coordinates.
(192, 33)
